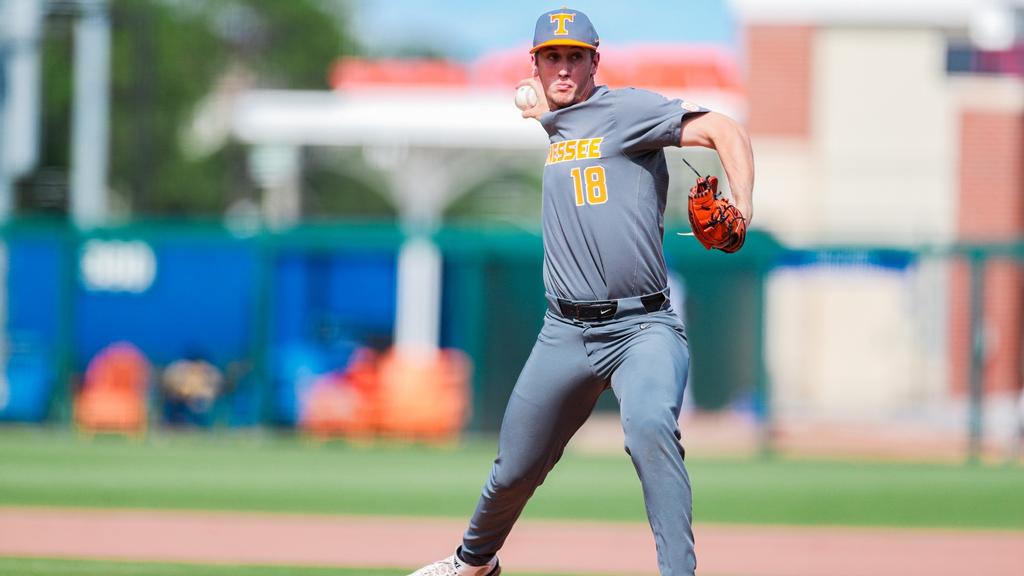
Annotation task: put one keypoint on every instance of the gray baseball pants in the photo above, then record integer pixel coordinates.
(644, 357)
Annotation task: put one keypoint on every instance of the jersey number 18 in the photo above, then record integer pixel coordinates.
(589, 185)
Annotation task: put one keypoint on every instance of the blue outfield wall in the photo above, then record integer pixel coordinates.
(257, 306)
(324, 306)
(200, 303)
(36, 267)
(271, 308)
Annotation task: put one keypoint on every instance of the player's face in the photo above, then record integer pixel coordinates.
(567, 74)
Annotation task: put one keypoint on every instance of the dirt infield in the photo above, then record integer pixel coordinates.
(592, 548)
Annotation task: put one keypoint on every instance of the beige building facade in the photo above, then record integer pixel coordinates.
(865, 136)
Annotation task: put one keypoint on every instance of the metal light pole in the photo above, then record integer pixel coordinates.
(5, 203)
(5, 179)
(90, 128)
(976, 365)
(20, 32)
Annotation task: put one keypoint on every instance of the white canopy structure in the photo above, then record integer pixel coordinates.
(419, 117)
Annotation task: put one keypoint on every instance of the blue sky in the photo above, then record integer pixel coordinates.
(464, 29)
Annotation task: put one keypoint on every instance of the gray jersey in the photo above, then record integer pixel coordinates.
(605, 183)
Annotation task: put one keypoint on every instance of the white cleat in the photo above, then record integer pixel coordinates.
(453, 566)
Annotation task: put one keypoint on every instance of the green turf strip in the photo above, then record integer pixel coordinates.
(54, 567)
(263, 472)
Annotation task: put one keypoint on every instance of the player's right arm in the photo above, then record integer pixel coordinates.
(541, 107)
(730, 140)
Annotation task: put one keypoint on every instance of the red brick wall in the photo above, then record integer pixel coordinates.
(991, 208)
(1002, 313)
(779, 62)
(991, 175)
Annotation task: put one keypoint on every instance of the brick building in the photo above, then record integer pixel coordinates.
(883, 124)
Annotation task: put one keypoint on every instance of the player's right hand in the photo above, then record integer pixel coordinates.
(541, 107)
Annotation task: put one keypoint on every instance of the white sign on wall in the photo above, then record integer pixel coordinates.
(117, 266)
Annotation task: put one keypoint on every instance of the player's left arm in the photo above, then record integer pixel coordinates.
(730, 140)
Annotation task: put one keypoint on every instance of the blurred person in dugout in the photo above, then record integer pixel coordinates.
(190, 387)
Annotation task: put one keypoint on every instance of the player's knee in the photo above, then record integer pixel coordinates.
(649, 432)
(516, 477)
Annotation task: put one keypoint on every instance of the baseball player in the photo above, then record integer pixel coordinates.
(609, 321)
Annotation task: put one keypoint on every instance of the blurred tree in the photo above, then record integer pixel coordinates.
(164, 60)
(287, 44)
(176, 64)
(46, 189)
(329, 170)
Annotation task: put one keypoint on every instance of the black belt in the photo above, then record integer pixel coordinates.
(605, 309)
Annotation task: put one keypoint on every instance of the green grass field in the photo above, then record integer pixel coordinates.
(52, 567)
(264, 472)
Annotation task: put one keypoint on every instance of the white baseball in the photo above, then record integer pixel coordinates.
(526, 97)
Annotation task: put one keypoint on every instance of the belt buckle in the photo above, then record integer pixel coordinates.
(608, 312)
(601, 310)
(588, 311)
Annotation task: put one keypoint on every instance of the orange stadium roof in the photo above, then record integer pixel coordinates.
(349, 73)
(682, 67)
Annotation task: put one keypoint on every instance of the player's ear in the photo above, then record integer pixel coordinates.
(533, 58)
(594, 59)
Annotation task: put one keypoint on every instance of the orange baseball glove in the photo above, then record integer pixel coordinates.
(715, 221)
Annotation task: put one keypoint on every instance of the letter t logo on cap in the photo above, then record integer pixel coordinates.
(561, 18)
